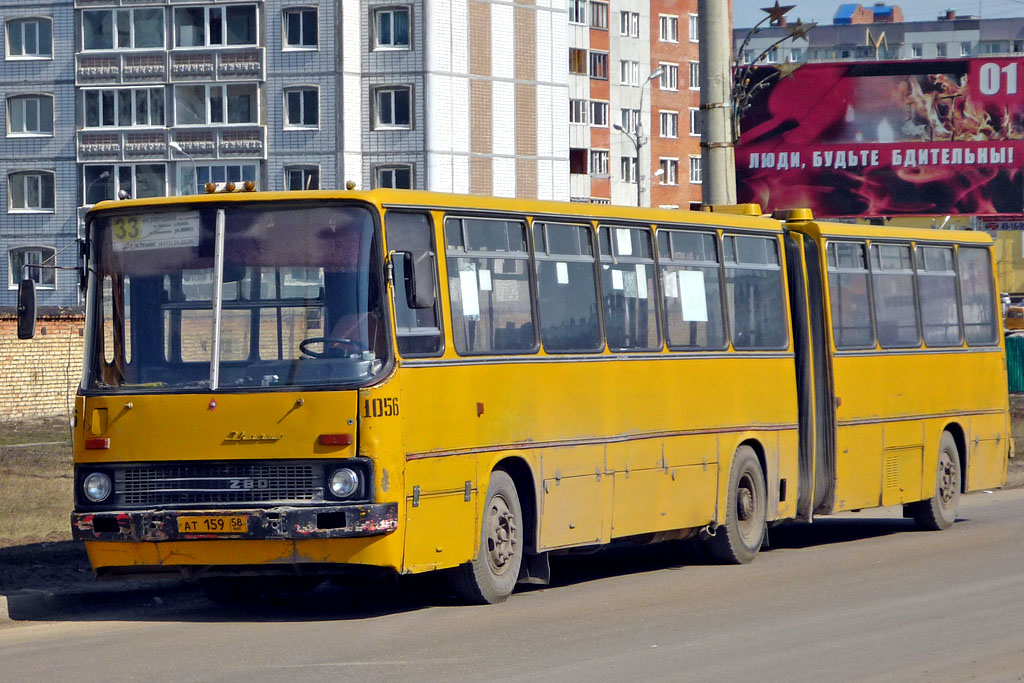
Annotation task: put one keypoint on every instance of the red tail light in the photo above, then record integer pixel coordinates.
(335, 439)
(97, 444)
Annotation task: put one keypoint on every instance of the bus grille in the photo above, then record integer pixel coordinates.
(219, 483)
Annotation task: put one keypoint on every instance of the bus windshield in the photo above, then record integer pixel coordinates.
(300, 299)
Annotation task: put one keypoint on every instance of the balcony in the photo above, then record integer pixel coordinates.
(146, 145)
(130, 68)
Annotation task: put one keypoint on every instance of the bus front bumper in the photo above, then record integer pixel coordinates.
(294, 523)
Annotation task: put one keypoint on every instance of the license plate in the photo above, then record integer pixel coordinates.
(213, 524)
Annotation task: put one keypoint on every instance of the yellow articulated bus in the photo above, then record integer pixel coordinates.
(308, 383)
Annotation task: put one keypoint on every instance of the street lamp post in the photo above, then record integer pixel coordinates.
(638, 140)
(173, 144)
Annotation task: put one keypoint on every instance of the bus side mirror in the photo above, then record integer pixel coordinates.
(419, 281)
(26, 308)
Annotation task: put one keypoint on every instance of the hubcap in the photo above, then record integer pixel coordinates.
(746, 507)
(501, 535)
(947, 483)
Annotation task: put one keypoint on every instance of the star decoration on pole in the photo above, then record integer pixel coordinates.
(776, 13)
(800, 29)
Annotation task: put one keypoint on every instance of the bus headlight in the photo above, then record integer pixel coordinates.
(343, 482)
(97, 487)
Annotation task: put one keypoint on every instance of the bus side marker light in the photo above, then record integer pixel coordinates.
(335, 439)
(97, 444)
(479, 409)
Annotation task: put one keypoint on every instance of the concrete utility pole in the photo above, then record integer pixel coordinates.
(718, 161)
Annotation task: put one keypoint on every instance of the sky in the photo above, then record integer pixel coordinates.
(748, 12)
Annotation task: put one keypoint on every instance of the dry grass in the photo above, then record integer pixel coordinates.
(35, 483)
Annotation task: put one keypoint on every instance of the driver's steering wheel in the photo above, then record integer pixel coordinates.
(334, 347)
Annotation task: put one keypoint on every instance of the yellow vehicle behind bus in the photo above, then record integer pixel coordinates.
(306, 383)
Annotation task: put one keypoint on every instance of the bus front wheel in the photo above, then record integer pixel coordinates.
(492, 575)
(739, 539)
(939, 511)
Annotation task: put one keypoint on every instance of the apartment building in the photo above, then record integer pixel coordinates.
(634, 135)
(878, 32)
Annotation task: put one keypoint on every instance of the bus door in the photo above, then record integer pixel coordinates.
(816, 412)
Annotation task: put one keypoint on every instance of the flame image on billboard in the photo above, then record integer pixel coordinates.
(886, 138)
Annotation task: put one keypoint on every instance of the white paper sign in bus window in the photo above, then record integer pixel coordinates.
(562, 272)
(155, 231)
(470, 296)
(485, 280)
(641, 280)
(624, 241)
(692, 296)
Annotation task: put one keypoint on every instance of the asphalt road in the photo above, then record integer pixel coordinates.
(862, 597)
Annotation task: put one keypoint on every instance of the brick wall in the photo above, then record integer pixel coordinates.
(39, 377)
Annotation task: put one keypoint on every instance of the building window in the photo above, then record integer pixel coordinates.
(965, 49)
(796, 54)
(772, 56)
(599, 65)
(301, 178)
(577, 160)
(300, 29)
(629, 72)
(391, 28)
(669, 77)
(599, 162)
(695, 173)
(599, 14)
(669, 171)
(31, 191)
(598, 113)
(214, 26)
(216, 104)
(193, 179)
(629, 120)
(695, 122)
(133, 180)
(393, 109)
(669, 28)
(17, 258)
(629, 24)
(669, 124)
(123, 107)
(30, 38)
(627, 169)
(577, 11)
(577, 111)
(30, 115)
(940, 49)
(123, 29)
(694, 29)
(577, 61)
(917, 50)
(396, 176)
(302, 107)
(694, 75)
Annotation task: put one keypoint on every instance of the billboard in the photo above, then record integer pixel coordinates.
(886, 138)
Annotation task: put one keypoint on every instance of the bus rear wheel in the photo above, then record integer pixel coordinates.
(939, 511)
(740, 538)
(492, 575)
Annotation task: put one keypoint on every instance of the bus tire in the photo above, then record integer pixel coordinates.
(740, 538)
(492, 575)
(939, 511)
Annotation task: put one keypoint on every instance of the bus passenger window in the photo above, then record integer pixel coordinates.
(892, 282)
(418, 330)
(489, 286)
(690, 284)
(936, 287)
(977, 298)
(849, 294)
(754, 293)
(627, 287)
(566, 287)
